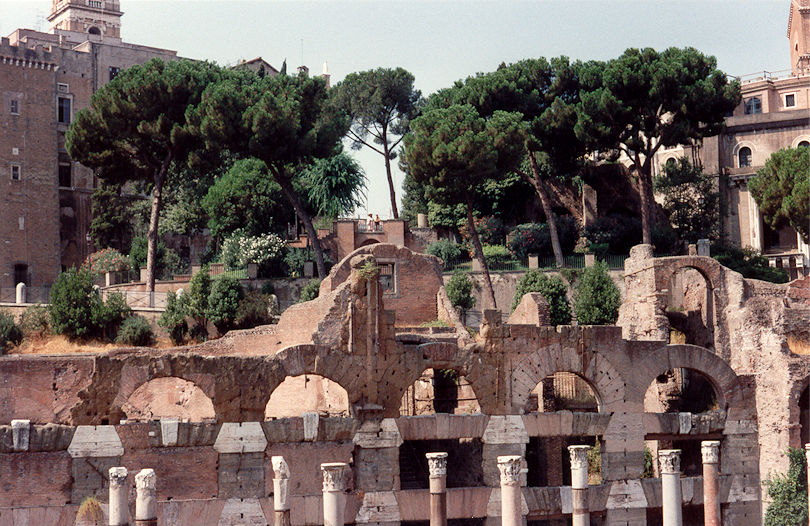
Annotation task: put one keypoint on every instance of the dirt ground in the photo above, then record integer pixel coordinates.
(56, 344)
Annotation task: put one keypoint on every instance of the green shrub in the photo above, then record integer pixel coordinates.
(310, 291)
(446, 250)
(750, 263)
(618, 231)
(75, 307)
(459, 290)
(553, 290)
(198, 332)
(534, 238)
(199, 288)
(173, 318)
(268, 288)
(434, 323)
(238, 250)
(496, 255)
(10, 332)
(168, 262)
(223, 302)
(788, 493)
(111, 314)
(648, 472)
(596, 297)
(107, 260)
(254, 310)
(35, 321)
(135, 330)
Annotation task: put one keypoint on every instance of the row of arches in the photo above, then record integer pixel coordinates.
(435, 391)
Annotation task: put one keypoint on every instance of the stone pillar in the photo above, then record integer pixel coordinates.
(281, 491)
(711, 487)
(670, 464)
(437, 465)
(579, 485)
(20, 434)
(119, 497)
(511, 512)
(334, 496)
(145, 498)
(20, 293)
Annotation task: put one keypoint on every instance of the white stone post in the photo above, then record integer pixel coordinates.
(437, 466)
(334, 496)
(711, 487)
(281, 491)
(670, 463)
(145, 498)
(511, 513)
(20, 293)
(20, 434)
(119, 497)
(579, 485)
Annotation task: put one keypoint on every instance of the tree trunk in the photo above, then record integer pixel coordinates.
(387, 155)
(645, 191)
(539, 187)
(303, 215)
(479, 255)
(152, 235)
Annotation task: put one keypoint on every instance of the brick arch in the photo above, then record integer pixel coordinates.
(607, 383)
(708, 267)
(341, 368)
(715, 369)
(441, 355)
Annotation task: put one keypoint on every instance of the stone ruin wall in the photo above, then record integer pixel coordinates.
(221, 469)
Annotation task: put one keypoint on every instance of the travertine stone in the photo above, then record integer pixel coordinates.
(119, 497)
(670, 461)
(511, 498)
(95, 441)
(437, 466)
(310, 421)
(378, 434)
(378, 507)
(281, 484)
(334, 498)
(247, 512)
(507, 429)
(670, 465)
(21, 434)
(145, 497)
(579, 485)
(169, 428)
(243, 437)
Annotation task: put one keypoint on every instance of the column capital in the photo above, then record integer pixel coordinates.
(579, 456)
(669, 461)
(510, 466)
(118, 476)
(280, 468)
(710, 449)
(145, 479)
(437, 464)
(333, 476)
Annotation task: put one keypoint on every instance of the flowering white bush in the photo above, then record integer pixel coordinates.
(239, 250)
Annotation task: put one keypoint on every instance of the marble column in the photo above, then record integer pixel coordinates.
(281, 491)
(510, 467)
(334, 496)
(145, 498)
(437, 466)
(119, 497)
(579, 485)
(670, 464)
(711, 485)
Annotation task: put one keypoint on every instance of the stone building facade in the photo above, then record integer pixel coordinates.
(45, 78)
(774, 113)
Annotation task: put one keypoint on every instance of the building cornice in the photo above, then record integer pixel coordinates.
(90, 10)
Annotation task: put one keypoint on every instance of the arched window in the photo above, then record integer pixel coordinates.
(804, 144)
(753, 105)
(744, 156)
(94, 31)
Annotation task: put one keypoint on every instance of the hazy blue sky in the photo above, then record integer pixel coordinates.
(441, 41)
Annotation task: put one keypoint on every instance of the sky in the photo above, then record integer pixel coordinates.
(440, 41)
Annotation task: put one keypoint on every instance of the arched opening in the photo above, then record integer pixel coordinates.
(680, 390)
(547, 458)
(439, 391)
(563, 391)
(307, 393)
(368, 242)
(169, 397)
(690, 308)
(744, 157)
(94, 31)
(804, 144)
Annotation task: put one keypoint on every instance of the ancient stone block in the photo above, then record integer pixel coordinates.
(241, 475)
(376, 469)
(243, 437)
(95, 441)
(90, 477)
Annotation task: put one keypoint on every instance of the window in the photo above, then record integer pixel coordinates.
(63, 116)
(804, 144)
(94, 31)
(94, 3)
(744, 156)
(16, 172)
(753, 105)
(14, 107)
(790, 100)
(21, 273)
(61, 87)
(114, 72)
(65, 178)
